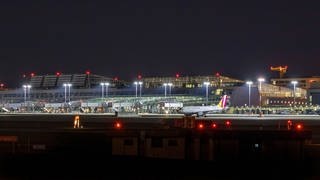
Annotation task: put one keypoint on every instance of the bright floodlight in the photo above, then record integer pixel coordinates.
(206, 83)
(261, 79)
(27, 86)
(67, 84)
(104, 84)
(136, 83)
(167, 84)
(294, 82)
(249, 82)
(140, 82)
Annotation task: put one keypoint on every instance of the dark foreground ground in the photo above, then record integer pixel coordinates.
(85, 153)
(97, 166)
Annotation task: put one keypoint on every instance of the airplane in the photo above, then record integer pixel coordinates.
(203, 110)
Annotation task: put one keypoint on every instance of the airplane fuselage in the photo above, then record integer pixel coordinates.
(200, 110)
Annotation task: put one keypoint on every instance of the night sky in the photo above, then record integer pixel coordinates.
(126, 38)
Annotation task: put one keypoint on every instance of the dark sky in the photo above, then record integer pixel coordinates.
(124, 38)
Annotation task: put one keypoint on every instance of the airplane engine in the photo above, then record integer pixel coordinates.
(199, 114)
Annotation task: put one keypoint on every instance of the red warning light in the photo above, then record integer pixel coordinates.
(228, 123)
(118, 125)
(299, 127)
(139, 76)
(1, 85)
(200, 126)
(58, 73)
(289, 124)
(88, 72)
(214, 125)
(217, 74)
(116, 79)
(177, 75)
(32, 74)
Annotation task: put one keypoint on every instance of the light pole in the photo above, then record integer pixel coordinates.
(107, 86)
(69, 85)
(102, 89)
(249, 84)
(25, 94)
(65, 93)
(207, 94)
(294, 91)
(26, 89)
(136, 83)
(140, 83)
(170, 85)
(102, 93)
(165, 89)
(65, 85)
(260, 82)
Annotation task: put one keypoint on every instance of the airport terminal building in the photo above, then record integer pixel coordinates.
(152, 91)
(311, 84)
(50, 88)
(268, 95)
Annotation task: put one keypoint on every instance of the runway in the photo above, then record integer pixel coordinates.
(148, 121)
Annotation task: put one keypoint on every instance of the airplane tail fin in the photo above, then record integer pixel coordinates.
(223, 102)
